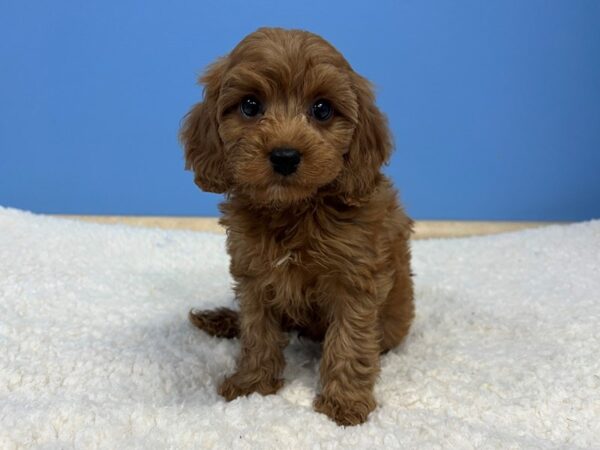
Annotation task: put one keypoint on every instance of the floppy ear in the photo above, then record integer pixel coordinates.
(200, 137)
(370, 148)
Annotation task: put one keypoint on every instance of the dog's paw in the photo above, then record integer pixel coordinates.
(345, 411)
(239, 384)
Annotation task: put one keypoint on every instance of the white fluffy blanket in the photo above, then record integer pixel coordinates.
(96, 349)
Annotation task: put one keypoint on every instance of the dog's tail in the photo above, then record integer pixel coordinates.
(221, 322)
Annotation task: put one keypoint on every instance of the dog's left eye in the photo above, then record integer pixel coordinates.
(322, 110)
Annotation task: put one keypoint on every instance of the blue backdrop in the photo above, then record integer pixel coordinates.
(494, 105)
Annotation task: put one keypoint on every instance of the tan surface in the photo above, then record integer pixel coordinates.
(423, 229)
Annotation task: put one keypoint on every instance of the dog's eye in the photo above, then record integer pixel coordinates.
(322, 110)
(250, 106)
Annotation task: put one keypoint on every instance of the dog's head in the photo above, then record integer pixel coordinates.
(283, 117)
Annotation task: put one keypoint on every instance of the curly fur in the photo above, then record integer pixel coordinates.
(323, 252)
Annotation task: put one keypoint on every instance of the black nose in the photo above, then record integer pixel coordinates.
(285, 160)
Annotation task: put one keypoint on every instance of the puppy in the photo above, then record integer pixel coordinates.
(317, 239)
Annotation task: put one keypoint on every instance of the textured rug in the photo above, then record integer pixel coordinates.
(96, 349)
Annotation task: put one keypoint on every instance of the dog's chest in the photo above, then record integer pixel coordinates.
(290, 262)
(287, 261)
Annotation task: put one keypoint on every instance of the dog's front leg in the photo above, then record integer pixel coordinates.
(261, 359)
(350, 362)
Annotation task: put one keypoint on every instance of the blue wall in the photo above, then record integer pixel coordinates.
(495, 105)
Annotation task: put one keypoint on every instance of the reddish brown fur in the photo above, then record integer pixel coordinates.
(323, 251)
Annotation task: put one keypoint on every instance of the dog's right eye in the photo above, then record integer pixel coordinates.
(250, 106)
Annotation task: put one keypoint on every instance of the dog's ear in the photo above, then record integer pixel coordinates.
(370, 148)
(200, 137)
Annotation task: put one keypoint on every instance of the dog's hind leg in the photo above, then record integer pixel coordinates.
(398, 311)
(221, 322)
